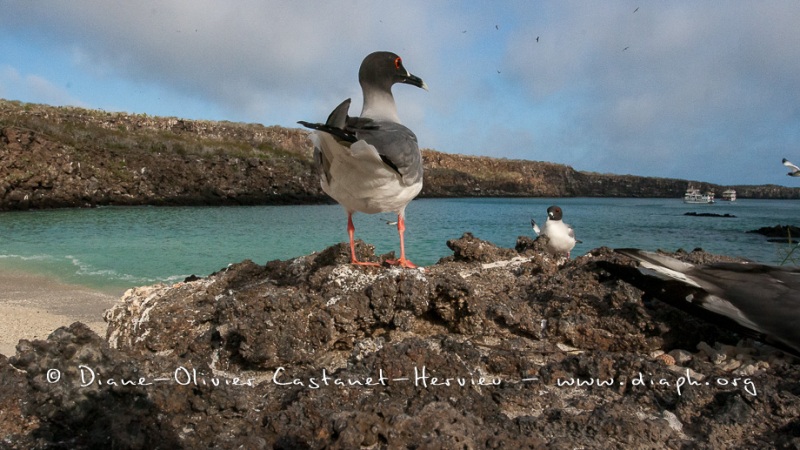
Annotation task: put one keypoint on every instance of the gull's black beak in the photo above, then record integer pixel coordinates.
(413, 80)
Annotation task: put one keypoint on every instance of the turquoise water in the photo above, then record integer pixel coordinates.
(115, 248)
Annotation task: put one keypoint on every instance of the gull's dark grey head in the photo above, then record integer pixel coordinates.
(383, 69)
(554, 213)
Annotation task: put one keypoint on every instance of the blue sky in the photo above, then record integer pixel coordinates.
(697, 90)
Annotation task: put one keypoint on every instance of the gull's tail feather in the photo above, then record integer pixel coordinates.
(336, 123)
(535, 227)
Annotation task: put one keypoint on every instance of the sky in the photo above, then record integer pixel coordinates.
(704, 91)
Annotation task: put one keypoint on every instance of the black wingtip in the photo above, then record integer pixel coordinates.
(340, 134)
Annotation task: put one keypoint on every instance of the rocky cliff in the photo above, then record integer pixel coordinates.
(448, 175)
(489, 348)
(56, 157)
(61, 157)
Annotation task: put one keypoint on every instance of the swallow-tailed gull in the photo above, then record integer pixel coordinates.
(761, 300)
(561, 237)
(371, 163)
(795, 170)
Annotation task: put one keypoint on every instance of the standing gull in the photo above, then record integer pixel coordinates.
(761, 300)
(560, 235)
(795, 170)
(371, 163)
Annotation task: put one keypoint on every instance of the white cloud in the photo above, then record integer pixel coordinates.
(658, 90)
(227, 50)
(696, 79)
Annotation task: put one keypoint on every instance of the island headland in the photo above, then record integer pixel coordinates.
(53, 157)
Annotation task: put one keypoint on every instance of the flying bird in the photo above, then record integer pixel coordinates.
(537, 38)
(795, 170)
(561, 237)
(637, 8)
(371, 163)
(625, 48)
(760, 300)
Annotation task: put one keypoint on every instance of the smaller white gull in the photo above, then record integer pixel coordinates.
(561, 237)
(795, 170)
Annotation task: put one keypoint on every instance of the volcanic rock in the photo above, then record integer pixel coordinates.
(779, 233)
(697, 214)
(485, 349)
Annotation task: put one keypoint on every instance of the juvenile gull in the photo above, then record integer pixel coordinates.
(795, 170)
(371, 163)
(760, 300)
(561, 237)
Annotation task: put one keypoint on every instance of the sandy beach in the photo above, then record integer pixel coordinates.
(33, 306)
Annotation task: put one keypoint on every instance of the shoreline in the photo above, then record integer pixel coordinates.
(33, 305)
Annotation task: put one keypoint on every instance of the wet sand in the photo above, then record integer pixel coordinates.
(33, 306)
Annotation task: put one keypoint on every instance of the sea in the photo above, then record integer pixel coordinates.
(115, 248)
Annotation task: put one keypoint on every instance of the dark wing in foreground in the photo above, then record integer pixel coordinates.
(758, 300)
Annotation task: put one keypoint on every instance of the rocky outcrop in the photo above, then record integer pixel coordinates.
(697, 214)
(778, 231)
(64, 157)
(485, 349)
(82, 160)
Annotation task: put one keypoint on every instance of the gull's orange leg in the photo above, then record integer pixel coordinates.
(351, 231)
(402, 262)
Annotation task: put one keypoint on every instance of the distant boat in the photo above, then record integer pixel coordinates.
(729, 195)
(693, 195)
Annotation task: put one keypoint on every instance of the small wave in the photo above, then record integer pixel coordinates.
(30, 257)
(173, 279)
(111, 275)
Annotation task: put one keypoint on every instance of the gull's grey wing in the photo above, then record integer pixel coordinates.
(571, 232)
(753, 288)
(396, 145)
(763, 299)
(768, 296)
(572, 235)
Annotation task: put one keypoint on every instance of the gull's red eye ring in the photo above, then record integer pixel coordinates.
(398, 63)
